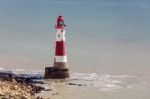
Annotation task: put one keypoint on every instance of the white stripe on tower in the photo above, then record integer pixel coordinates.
(60, 35)
(61, 58)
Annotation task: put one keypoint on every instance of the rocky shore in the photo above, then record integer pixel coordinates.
(13, 89)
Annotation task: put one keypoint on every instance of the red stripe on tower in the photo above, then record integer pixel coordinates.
(60, 48)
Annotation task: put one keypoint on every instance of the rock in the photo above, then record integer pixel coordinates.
(76, 84)
(39, 97)
(12, 89)
(55, 93)
(71, 84)
(80, 85)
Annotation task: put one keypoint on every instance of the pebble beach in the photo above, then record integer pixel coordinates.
(13, 89)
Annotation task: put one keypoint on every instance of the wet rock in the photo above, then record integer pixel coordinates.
(39, 97)
(12, 89)
(72, 84)
(75, 84)
(55, 93)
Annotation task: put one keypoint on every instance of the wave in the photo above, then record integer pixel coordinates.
(105, 82)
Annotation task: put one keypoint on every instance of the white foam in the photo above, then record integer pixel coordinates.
(104, 82)
(1, 68)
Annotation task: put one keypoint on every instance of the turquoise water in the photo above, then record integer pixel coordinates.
(103, 37)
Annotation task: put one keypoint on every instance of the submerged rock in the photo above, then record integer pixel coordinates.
(75, 84)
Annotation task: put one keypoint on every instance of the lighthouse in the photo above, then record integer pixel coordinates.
(60, 68)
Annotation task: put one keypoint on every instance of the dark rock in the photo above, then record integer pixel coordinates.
(76, 84)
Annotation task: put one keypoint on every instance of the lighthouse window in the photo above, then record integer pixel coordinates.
(58, 35)
(61, 23)
(61, 30)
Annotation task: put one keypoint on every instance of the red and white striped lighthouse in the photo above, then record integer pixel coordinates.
(60, 60)
(60, 68)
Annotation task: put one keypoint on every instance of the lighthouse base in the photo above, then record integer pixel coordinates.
(55, 73)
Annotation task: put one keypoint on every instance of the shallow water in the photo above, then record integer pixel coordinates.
(99, 86)
(92, 85)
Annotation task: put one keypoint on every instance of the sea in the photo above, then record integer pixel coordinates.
(108, 45)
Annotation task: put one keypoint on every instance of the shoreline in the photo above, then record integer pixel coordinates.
(16, 89)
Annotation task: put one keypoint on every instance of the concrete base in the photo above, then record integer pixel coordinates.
(54, 73)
